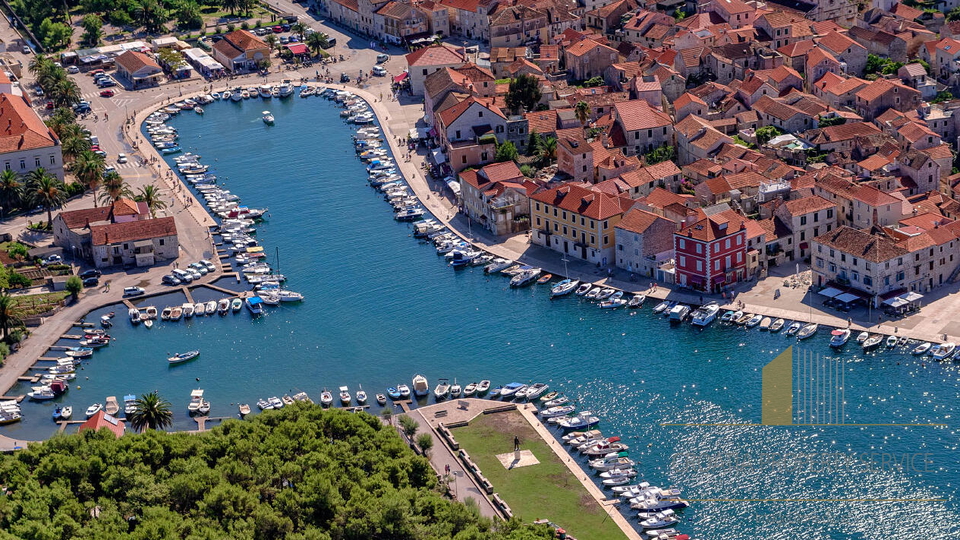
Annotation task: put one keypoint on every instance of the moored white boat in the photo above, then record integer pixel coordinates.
(839, 337)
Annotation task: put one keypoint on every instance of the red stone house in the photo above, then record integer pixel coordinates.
(711, 252)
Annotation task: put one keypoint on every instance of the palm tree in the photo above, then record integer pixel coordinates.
(72, 129)
(89, 168)
(72, 147)
(298, 28)
(317, 42)
(230, 5)
(582, 110)
(114, 187)
(151, 412)
(8, 317)
(548, 149)
(271, 41)
(61, 118)
(65, 93)
(11, 189)
(45, 190)
(39, 64)
(150, 195)
(51, 77)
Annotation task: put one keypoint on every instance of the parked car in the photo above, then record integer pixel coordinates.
(91, 282)
(201, 269)
(183, 276)
(277, 29)
(93, 272)
(100, 153)
(50, 105)
(25, 50)
(194, 273)
(94, 140)
(107, 93)
(38, 92)
(378, 71)
(170, 280)
(106, 83)
(381, 58)
(51, 259)
(284, 40)
(121, 158)
(81, 108)
(210, 266)
(133, 291)
(285, 27)
(96, 72)
(73, 70)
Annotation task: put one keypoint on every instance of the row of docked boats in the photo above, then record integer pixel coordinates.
(235, 233)
(383, 174)
(263, 91)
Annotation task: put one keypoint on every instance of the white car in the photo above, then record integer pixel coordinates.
(379, 71)
(73, 70)
(210, 266)
(121, 158)
(133, 291)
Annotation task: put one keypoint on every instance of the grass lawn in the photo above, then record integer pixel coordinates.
(544, 491)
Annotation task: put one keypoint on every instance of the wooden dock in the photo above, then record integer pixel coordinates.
(48, 359)
(84, 324)
(202, 421)
(71, 336)
(128, 303)
(18, 399)
(228, 292)
(186, 292)
(30, 378)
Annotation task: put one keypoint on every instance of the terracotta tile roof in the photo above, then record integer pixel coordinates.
(21, 128)
(817, 56)
(78, 219)
(103, 420)
(245, 41)
(582, 201)
(549, 52)
(915, 131)
(949, 45)
(746, 179)
(225, 48)
(661, 198)
(448, 116)
(125, 207)
(134, 61)
(939, 152)
(638, 114)
(776, 109)
(585, 46)
(844, 132)
(905, 11)
(838, 43)
(463, 5)
(861, 244)
(352, 5)
(638, 221)
(134, 230)
(798, 48)
(396, 10)
(435, 55)
(542, 121)
(876, 89)
(807, 205)
(734, 6)
(715, 227)
(686, 99)
(717, 186)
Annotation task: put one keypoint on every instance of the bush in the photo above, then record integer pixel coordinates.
(244, 26)
(75, 188)
(231, 27)
(425, 442)
(119, 18)
(4, 352)
(16, 279)
(17, 251)
(74, 286)
(527, 171)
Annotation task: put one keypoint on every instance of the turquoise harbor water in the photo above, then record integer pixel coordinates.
(382, 306)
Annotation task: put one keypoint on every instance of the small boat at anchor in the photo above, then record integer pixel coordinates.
(180, 358)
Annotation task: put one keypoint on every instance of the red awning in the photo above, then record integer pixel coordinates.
(399, 78)
(804, 245)
(297, 48)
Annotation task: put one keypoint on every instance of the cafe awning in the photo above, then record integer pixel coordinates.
(438, 156)
(400, 78)
(829, 292)
(911, 297)
(896, 302)
(846, 298)
(297, 48)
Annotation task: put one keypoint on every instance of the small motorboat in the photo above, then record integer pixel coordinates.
(134, 315)
(559, 400)
(361, 395)
(793, 328)
(148, 324)
(743, 318)
(509, 390)
(728, 316)
(891, 341)
(223, 306)
(943, 351)
(777, 325)
(244, 409)
(442, 389)
(659, 520)
(179, 358)
(112, 407)
(583, 289)
(393, 392)
(921, 349)
(636, 301)
(151, 312)
(839, 338)
(536, 390)
(267, 118)
(264, 405)
(381, 399)
(553, 412)
(345, 396)
(79, 352)
(326, 398)
(661, 307)
(94, 409)
(275, 402)
(455, 390)
(594, 293)
(66, 412)
(872, 342)
(563, 288)
(808, 331)
(287, 400)
(754, 320)
(607, 292)
(483, 387)
(469, 389)
(576, 438)
(236, 305)
(862, 336)
(765, 324)
(210, 307)
(544, 279)
(495, 392)
(199, 309)
(404, 391)
(175, 313)
(549, 395)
